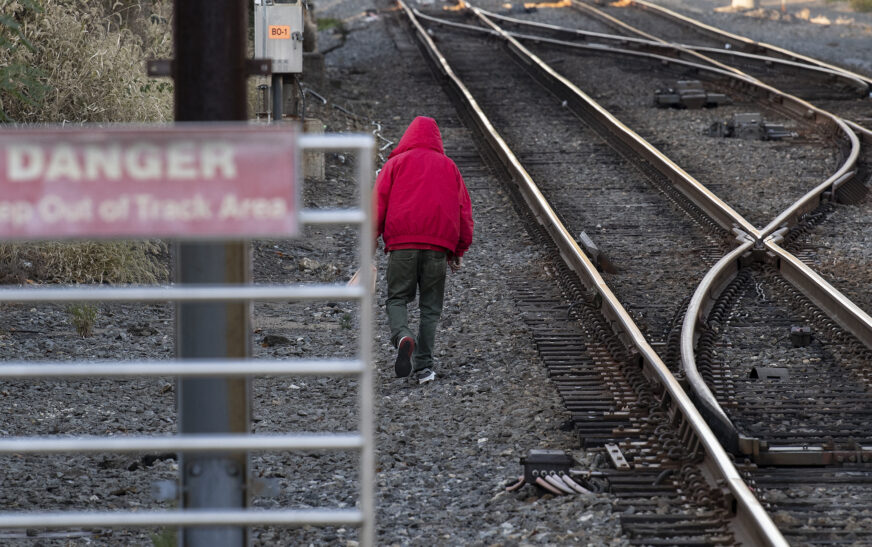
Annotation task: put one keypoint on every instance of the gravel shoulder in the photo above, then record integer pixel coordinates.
(445, 450)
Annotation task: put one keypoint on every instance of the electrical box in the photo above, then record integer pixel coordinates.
(278, 34)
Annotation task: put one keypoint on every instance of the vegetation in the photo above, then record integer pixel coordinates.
(83, 61)
(83, 317)
(19, 82)
(164, 537)
(76, 61)
(85, 262)
(861, 5)
(327, 23)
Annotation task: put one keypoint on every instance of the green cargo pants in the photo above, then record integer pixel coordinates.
(411, 271)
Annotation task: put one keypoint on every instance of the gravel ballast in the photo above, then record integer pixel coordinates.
(445, 450)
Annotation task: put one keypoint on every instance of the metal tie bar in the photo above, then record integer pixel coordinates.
(184, 293)
(187, 368)
(124, 519)
(182, 443)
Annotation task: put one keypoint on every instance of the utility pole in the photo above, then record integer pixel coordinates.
(209, 71)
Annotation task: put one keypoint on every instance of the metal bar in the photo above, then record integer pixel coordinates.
(366, 391)
(183, 293)
(337, 216)
(184, 442)
(335, 142)
(122, 369)
(790, 216)
(129, 519)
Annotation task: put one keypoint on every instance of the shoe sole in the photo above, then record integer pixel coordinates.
(429, 378)
(403, 364)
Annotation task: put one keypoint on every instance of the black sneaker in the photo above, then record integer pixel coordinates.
(403, 364)
(425, 375)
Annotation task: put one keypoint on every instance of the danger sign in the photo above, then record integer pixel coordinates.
(203, 181)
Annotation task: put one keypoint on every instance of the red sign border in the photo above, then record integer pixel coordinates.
(237, 130)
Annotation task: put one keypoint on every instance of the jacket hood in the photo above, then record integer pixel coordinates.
(421, 133)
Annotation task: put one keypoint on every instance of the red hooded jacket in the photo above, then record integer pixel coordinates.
(421, 198)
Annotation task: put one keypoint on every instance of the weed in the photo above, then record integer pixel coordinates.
(861, 5)
(327, 23)
(165, 537)
(83, 317)
(345, 321)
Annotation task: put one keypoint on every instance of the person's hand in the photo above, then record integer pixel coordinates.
(455, 263)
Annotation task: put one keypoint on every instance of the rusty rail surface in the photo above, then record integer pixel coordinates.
(742, 41)
(752, 521)
(860, 86)
(736, 40)
(754, 241)
(838, 307)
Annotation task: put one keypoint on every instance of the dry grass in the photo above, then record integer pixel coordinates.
(84, 262)
(80, 61)
(91, 57)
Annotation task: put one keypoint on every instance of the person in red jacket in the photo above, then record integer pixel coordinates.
(425, 219)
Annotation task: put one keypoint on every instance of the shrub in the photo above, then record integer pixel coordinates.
(83, 317)
(19, 82)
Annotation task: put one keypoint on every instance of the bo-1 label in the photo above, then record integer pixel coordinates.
(279, 32)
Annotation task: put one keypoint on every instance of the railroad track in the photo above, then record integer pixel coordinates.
(820, 256)
(599, 353)
(642, 18)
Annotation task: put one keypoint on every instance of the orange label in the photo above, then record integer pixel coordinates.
(279, 32)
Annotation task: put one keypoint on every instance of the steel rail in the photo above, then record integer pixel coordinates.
(742, 40)
(702, 301)
(718, 210)
(837, 306)
(712, 31)
(702, 53)
(753, 518)
(736, 39)
(722, 427)
(830, 300)
(789, 105)
(810, 201)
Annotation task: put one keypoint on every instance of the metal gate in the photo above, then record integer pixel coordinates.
(361, 440)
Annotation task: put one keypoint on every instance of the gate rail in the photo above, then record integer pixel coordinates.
(361, 440)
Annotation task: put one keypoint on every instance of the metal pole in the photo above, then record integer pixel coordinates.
(209, 72)
(277, 97)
